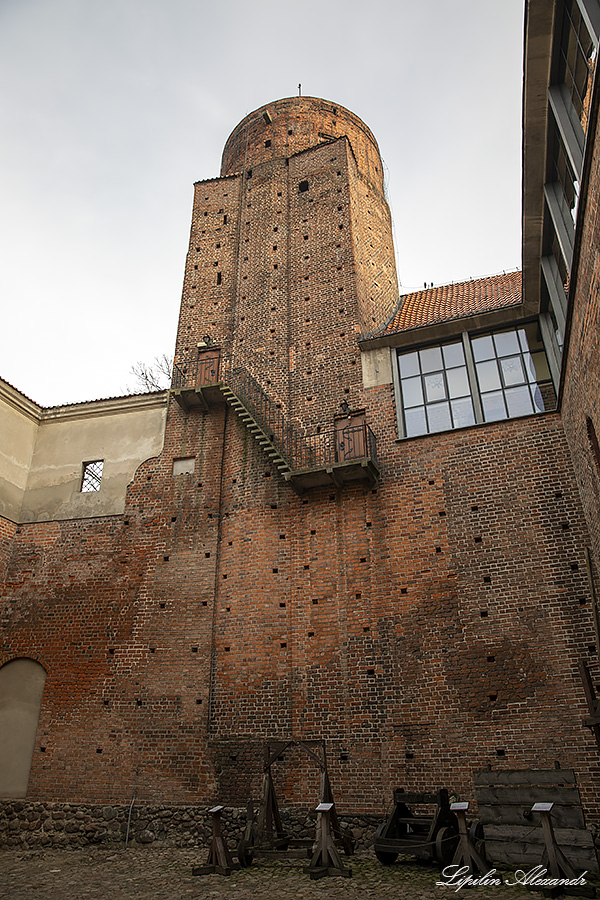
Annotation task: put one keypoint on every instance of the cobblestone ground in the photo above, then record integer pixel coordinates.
(102, 874)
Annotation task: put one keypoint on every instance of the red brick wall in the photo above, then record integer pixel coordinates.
(581, 399)
(207, 306)
(424, 628)
(7, 530)
(393, 659)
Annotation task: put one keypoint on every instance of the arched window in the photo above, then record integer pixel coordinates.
(21, 689)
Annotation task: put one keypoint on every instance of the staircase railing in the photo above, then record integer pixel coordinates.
(267, 413)
(345, 443)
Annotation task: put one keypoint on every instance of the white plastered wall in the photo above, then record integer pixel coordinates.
(42, 455)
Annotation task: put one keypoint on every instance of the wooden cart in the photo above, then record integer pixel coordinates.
(429, 837)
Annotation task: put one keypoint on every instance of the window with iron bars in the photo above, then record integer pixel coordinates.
(91, 476)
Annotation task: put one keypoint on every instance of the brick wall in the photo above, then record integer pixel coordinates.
(7, 530)
(581, 398)
(424, 628)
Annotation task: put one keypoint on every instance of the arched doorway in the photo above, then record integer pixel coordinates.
(21, 689)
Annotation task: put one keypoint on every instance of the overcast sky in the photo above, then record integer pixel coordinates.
(109, 111)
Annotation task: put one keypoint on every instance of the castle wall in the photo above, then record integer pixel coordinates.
(19, 418)
(41, 464)
(424, 627)
(581, 392)
(122, 432)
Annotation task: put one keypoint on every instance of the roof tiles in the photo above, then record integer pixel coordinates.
(432, 306)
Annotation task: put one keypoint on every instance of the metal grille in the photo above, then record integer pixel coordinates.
(326, 448)
(92, 476)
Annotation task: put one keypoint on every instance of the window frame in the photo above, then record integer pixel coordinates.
(93, 477)
(476, 394)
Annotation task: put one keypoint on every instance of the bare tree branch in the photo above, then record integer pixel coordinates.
(155, 376)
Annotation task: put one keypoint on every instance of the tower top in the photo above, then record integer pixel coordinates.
(293, 124)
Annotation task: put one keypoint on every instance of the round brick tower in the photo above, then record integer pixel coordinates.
(293, 124)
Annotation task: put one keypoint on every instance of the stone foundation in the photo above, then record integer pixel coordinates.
(72, 825)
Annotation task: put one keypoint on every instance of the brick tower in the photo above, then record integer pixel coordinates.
(291, 255)
(290, 260)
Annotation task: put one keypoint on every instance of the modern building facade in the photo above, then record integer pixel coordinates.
(357, 516)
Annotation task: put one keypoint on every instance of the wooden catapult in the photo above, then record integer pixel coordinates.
(267, 837)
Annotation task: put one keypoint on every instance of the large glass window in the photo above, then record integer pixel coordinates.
(561, 171)
(506, 370)
(435, 389)
(577, 59)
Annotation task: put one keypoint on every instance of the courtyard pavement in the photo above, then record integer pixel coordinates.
(164, 874)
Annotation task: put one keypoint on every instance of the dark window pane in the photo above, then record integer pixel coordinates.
(435, 388)
(487, 372)
(530, 337)
(518, 400)
(493, 406)
(438, 415)
(512, 370)
(458, 382)
(542, 369)
(537, 367)
(506, 343)
(409, 364)
(483, 348)
(415, 421)
(454, 355)
(462, 412)
(412, 391)
(431, 359)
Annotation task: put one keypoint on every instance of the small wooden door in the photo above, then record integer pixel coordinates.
(208, 366)
(351, 438)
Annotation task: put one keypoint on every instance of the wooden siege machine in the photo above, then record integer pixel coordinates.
(431, 837)
(267, 837)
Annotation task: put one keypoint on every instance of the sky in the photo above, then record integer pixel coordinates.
(110, 111)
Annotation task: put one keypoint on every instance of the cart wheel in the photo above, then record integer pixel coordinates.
(244, 853)
(476, 837)
(386, 857)
(446, 842)
(476, 831)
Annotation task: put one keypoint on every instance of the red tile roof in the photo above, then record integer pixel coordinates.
(454, 301)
